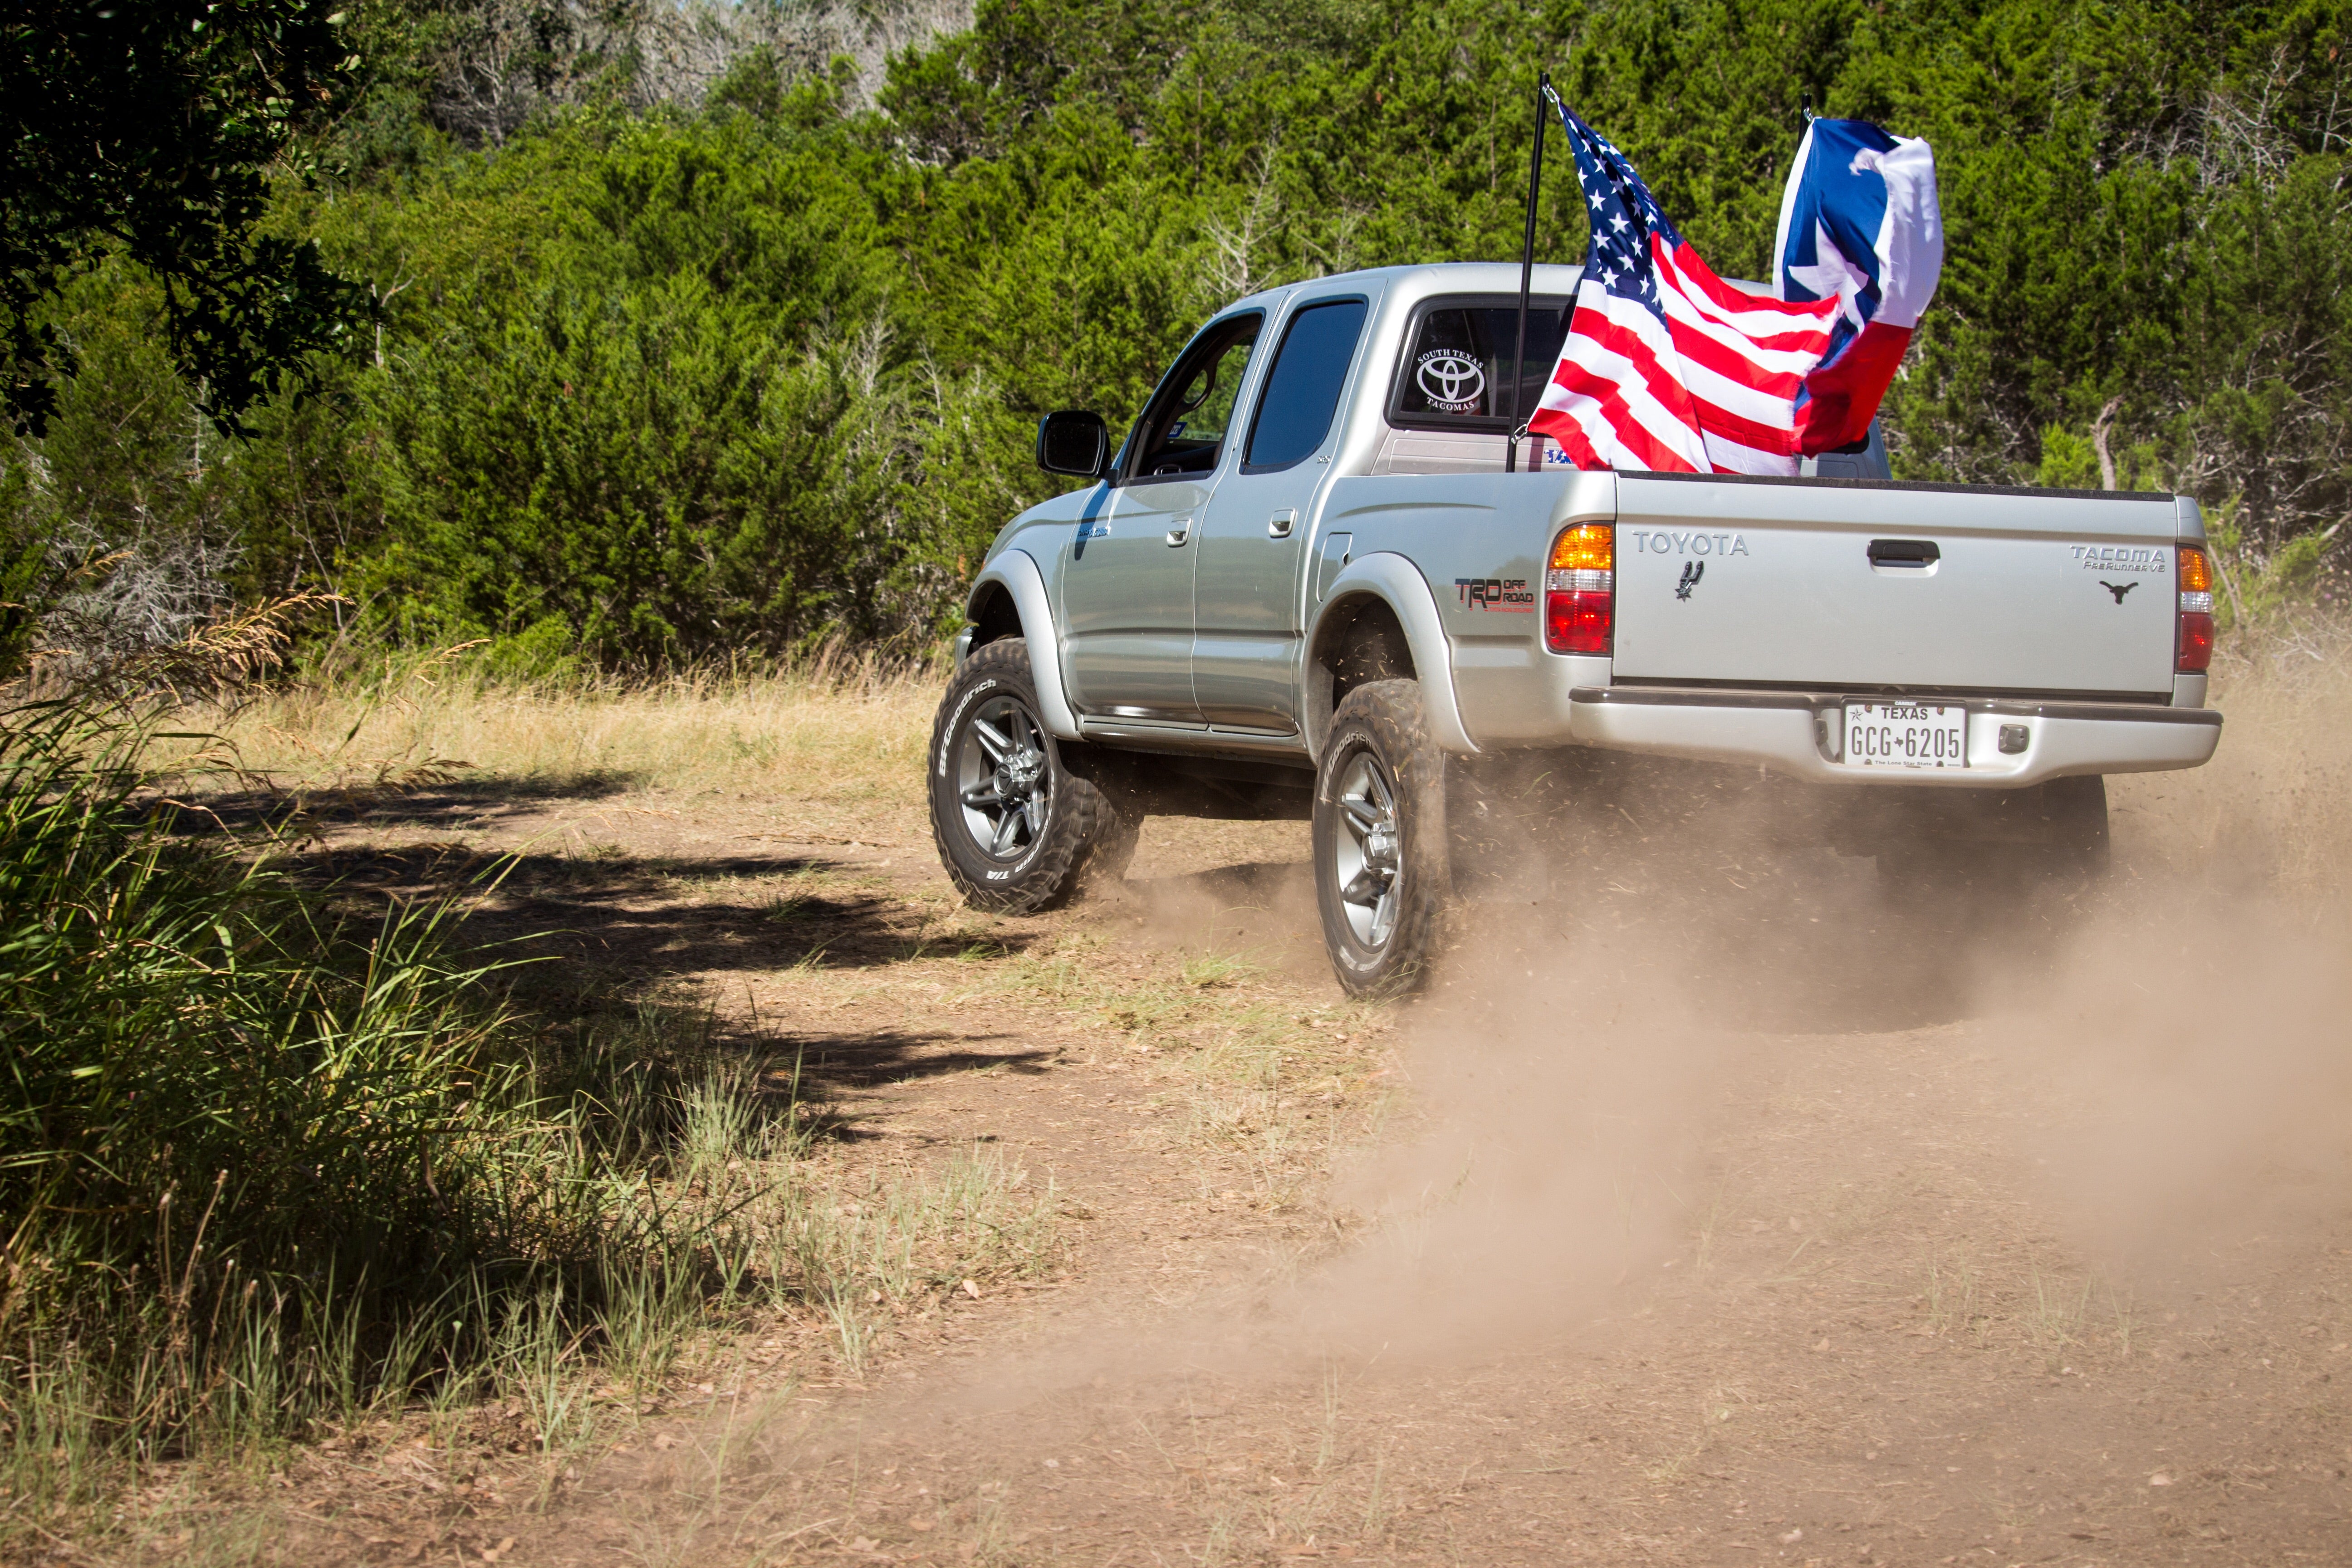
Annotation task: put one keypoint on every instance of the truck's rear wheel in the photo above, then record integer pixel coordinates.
(1013, 825)
(1380, 840)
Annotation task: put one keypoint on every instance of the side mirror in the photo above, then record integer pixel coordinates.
(1073, 441)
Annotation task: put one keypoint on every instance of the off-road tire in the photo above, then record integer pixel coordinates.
(1377, 731)
(1059, 814)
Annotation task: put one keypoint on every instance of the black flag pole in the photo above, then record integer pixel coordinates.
(1527, 275)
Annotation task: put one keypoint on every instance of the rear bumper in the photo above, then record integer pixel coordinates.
(1801, 733)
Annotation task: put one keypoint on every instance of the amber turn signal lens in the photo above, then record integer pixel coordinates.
(1587, 547)
(2196, 571)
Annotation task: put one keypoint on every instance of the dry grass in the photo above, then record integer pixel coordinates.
(843, 741)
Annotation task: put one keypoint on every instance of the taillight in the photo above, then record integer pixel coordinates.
(2196, 641)
(1580, 590)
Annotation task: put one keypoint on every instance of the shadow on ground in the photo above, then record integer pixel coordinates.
(292, 813)
(590, 937)
(638, 919)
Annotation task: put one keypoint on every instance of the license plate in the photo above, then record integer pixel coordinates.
(1905, 735)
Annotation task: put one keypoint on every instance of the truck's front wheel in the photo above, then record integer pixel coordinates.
(1380, 840)
(1013, 825)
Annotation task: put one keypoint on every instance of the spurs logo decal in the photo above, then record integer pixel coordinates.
(1692, 571)
(2118, 589)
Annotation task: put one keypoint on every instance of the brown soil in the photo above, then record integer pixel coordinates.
(1756, 1226)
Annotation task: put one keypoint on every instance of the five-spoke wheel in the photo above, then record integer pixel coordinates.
(1364, 855)
(1003, 779)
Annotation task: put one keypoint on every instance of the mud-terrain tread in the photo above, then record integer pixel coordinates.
(1389, 714)
(1070, 827)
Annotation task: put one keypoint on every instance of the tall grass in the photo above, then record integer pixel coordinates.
(268, 1168)
(246, 1150)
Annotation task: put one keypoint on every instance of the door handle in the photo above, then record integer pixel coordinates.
(1280, 524)
(1180, 532)
(1913, 553)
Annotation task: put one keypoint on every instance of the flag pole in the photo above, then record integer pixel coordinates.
(1527, 274)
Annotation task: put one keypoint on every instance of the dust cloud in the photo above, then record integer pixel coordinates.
(2170, 1051)
(2200, 1073)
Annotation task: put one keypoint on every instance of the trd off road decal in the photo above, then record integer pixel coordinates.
(1509, 595)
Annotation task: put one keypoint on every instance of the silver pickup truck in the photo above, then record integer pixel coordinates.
(1312, 584)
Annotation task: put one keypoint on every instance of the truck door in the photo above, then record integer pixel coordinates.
(1127, 581)
(1247, 587)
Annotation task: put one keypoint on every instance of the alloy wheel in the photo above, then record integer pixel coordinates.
(1366, 853)
(1004, 781)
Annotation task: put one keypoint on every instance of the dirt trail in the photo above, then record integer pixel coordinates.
(1785, 1233)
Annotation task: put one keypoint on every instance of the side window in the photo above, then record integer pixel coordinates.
(1302, 390)
(1184, 429)
(1457, 373)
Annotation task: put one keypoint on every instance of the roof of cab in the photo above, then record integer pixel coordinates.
(1427, 278)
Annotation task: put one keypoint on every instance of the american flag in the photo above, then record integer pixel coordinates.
(1668, 367)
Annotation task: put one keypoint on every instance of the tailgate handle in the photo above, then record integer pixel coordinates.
(1904, 553)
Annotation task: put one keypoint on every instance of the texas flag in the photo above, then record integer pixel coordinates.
(1859, 224)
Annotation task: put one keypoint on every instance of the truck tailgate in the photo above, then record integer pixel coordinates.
(1856, 586)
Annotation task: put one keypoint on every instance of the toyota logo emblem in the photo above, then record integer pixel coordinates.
(1451, 380)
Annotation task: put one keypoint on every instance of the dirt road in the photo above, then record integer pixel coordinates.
(1748, 1224)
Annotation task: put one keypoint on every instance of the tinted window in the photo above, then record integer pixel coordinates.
(1458, 371)
(1186, 426)
(1302, 391)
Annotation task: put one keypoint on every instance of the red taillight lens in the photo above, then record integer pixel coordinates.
(1580, 591)
(2195, 644)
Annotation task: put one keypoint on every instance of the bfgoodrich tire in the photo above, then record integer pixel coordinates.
(1013, 825)
(1379, 840)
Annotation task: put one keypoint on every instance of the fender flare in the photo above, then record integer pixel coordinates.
(1016, 572)
(1396, 582)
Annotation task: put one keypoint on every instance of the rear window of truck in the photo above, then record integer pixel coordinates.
(1457, 368)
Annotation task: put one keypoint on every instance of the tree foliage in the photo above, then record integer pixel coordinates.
(150, 131)
(685, 354)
